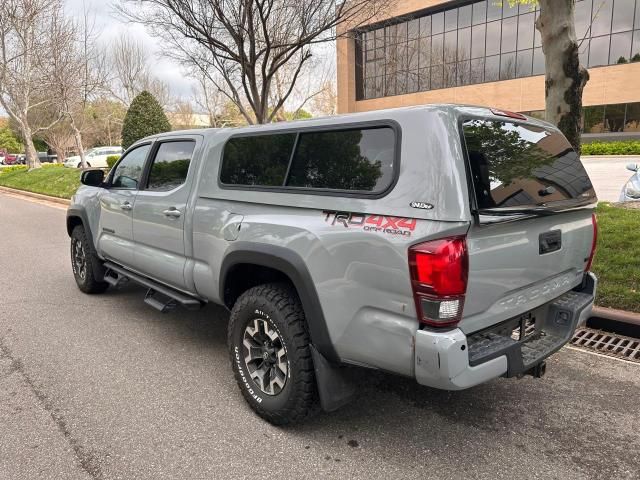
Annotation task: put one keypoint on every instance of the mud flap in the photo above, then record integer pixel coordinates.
(336, 385)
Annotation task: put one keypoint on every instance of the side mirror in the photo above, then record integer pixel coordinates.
(92, 178)
(632, 166)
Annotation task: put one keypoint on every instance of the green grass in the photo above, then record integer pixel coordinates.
(55, 181)
(617, 261)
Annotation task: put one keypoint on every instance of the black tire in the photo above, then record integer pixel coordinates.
(87, 267)
(278, 307)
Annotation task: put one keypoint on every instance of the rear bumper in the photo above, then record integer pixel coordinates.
(453, 361)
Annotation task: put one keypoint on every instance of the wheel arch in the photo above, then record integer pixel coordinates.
(75, 217)
(292, 267)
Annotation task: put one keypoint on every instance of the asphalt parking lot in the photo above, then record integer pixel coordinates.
(104, 387)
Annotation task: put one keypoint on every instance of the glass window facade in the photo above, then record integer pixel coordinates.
(485, 41)
(622, 117)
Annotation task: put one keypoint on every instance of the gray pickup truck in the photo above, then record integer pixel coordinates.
(445, 243)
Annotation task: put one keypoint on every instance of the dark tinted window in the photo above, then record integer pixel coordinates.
(257, 160)
(632, 118)
(614, 117)
(601, 24)
(623, 15)
(171, 165)
(516, 165)
(620, 50)
(509, 34)
(128, 172)
(344, 160)
(493, 38)
(479, 12)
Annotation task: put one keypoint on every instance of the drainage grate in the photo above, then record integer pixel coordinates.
(608, 343)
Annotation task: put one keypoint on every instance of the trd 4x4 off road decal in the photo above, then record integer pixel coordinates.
(372, 223)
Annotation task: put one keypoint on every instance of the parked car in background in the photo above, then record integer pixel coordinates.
(21, 159)
(2, 157)
(44, 157)
(631, 190)
(95, 157)
(11, 159)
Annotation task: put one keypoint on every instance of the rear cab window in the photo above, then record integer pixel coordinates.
(523, 168)
(358, 160)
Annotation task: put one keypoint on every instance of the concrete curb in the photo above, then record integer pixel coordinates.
(39, 196)
(621, 316)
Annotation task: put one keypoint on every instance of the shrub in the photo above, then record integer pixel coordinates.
(630, 147)
(112, 159)
(52, 165)
(13, 168)
(145, 117)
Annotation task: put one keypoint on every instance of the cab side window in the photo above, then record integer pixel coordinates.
(171, 165)
(128, 172)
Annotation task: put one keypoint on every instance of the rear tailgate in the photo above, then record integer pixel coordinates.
(534, 231)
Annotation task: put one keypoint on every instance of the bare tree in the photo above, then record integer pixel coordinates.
(326, 101)
(59, 138)
(129, 61)
(26, 43)
(247, 42)
(103, 122)
(182, 115)
(77, 72)
(315, 77)
(208, 98)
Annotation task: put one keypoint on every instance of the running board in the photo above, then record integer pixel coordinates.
(158, 296)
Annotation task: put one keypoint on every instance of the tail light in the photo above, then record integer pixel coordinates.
(594, 243)
(439, 271)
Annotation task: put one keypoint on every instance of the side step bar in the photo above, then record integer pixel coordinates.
(158, 296)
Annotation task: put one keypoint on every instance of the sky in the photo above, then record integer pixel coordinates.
(109, 25)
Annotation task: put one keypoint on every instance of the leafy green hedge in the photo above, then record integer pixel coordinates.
(631, 147)
(112, 159)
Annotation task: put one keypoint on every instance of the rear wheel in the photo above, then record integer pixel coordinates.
(270, 354)
(86, 265)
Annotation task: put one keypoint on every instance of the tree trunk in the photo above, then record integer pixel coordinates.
(60, 153)
(78, 138)
(33, 161)
(565, 77)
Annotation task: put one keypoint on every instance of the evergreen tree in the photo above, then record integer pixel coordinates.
(145, 117)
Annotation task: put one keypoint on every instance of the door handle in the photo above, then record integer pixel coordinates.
(126, 206)
(172, 212)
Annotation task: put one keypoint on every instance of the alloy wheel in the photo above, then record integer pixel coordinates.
(79, 259)
(265, 356)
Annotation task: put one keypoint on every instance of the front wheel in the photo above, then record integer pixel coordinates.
(270, 354)
(87, 269)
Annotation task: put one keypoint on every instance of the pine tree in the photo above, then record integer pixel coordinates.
(145, 117)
